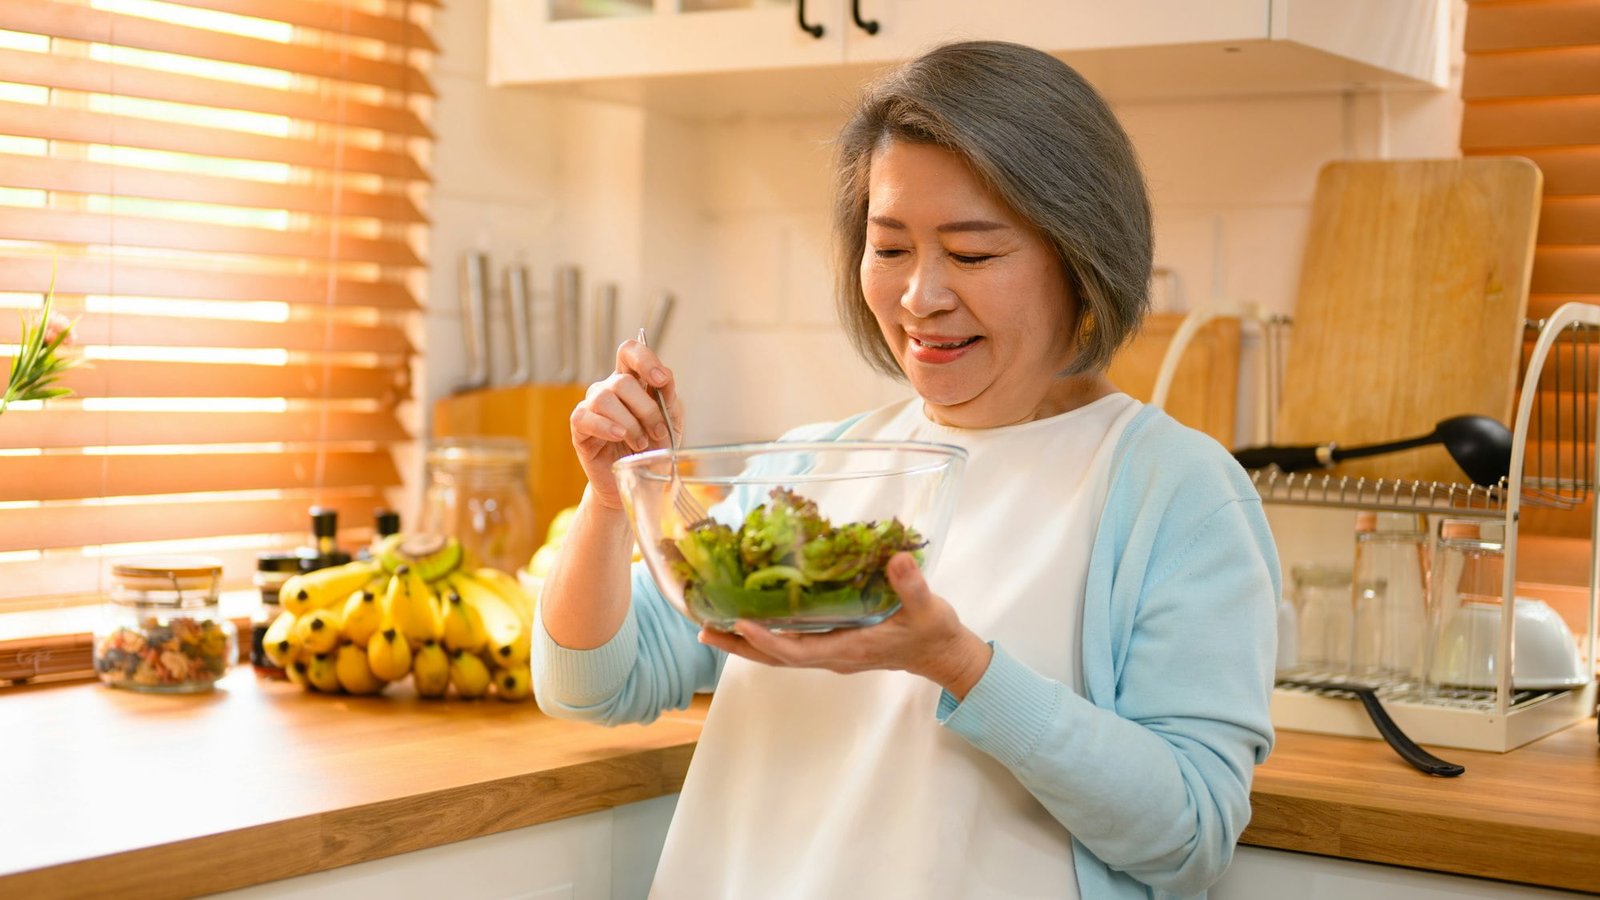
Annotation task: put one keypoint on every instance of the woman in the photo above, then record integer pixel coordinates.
(1075, 706)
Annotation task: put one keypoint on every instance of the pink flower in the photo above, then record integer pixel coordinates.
(55, 325)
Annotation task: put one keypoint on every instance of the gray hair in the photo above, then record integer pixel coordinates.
(1045, 141)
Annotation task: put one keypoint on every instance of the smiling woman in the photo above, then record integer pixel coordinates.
(228, 192)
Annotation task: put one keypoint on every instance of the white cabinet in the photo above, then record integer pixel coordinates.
(710, 57)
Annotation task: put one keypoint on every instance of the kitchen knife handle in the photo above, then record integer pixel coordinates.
(518, 297)
(870, 26)
(475, 317)
(1289, 459)
(813, 30)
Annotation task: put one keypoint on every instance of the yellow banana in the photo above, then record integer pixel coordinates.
(362, 616)
(508, 637)
(513, 684)
(325, 587)
(469, 676)
(412, 608)
(463, 626)
(431, 556)
(297, 669)
(430, 670)
(355, 672)
(511, 590)
(278, 642)
(388, 655)
(318, 630)
(321, 674)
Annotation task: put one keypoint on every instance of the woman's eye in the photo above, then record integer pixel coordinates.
(887, 253)
(970, 259)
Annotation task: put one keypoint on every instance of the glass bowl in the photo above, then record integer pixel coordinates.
(791, 535)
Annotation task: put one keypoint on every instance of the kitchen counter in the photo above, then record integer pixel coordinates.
(261, 781)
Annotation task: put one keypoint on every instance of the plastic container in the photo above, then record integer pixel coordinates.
(793, 536)
(477, 490)
(163, 631)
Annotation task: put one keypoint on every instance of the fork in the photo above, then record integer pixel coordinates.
(682, 500)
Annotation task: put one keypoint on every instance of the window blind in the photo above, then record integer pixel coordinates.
(226, 193)
(1531, 87)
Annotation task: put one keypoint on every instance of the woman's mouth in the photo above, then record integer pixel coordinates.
(941, 349)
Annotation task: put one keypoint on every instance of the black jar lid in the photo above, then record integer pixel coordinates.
(279, 562)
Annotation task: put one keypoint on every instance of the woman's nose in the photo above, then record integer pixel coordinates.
(927, 292)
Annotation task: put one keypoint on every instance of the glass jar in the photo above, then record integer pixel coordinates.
(272, 570)
(163, 630)
(477, 490)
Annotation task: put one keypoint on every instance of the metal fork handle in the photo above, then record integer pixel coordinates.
(672, 433)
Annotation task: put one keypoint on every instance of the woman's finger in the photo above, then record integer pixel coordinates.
(906, 578)
(611, 408)
(643, 407)
(736, 645)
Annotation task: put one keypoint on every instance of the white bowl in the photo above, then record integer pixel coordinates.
(1545, 652)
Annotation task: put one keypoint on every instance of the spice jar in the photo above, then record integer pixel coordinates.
(477, 491)
(163, 630)
(272, 570)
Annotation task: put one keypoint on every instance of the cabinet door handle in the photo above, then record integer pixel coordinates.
(870, 26)
(813, 30)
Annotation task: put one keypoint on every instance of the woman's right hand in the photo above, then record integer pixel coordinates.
(619, 416)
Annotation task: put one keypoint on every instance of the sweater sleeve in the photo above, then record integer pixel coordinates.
(1158, 785)
(653, 663)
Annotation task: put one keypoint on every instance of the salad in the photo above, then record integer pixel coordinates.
(788, 563)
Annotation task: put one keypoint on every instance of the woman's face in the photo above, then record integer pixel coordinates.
(973, 302)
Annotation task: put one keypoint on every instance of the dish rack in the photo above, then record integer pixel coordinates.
(1563, 356)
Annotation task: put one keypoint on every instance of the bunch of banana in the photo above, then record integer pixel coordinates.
(413, 610)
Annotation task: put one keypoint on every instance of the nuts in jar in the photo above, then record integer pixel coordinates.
(163, 630)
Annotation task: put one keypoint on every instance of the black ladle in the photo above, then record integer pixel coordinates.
(1420, 759)
(1480, 445)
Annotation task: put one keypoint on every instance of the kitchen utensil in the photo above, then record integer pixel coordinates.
(903, 492)
(605, 330)
(682, 500)
(659, 315)
(569, 323)
(519, 297)
(1390, 591)
(1412, 296)
(475, 318)
(1391, 732)
(1544, 656)
(1478, 444)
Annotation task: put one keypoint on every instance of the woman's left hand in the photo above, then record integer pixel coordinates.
(925, 637)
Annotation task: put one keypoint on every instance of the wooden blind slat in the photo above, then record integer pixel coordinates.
(96, 76)
(1541, 122)
(83, 23)
(1536, 73)
(137, 378)
(1570, 220)
(61, 124)
(1544, 23)
(1542, 306)
(51, 527)
(169, 331)
(1567, 170)
(1566, 270)
(340, 18)
(76, 176)
(78, 477)
(99, 276)
(62, 227)
(64, 427)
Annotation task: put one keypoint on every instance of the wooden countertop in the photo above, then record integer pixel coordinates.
(137, 793)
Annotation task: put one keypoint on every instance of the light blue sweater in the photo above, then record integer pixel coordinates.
(1150, 770)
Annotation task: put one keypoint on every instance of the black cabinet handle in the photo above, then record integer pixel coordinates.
(870, 26)
(813, 30)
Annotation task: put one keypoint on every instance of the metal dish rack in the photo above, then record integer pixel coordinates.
(1567, 428)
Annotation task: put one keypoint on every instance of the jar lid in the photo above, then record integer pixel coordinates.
(481, 451)
(279, 562)
(167, 567)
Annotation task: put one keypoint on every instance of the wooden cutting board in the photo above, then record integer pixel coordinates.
(1412, 297)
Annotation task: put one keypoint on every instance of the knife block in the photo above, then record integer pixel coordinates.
(536, 413)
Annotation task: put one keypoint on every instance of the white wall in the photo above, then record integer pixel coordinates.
(732, 217)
